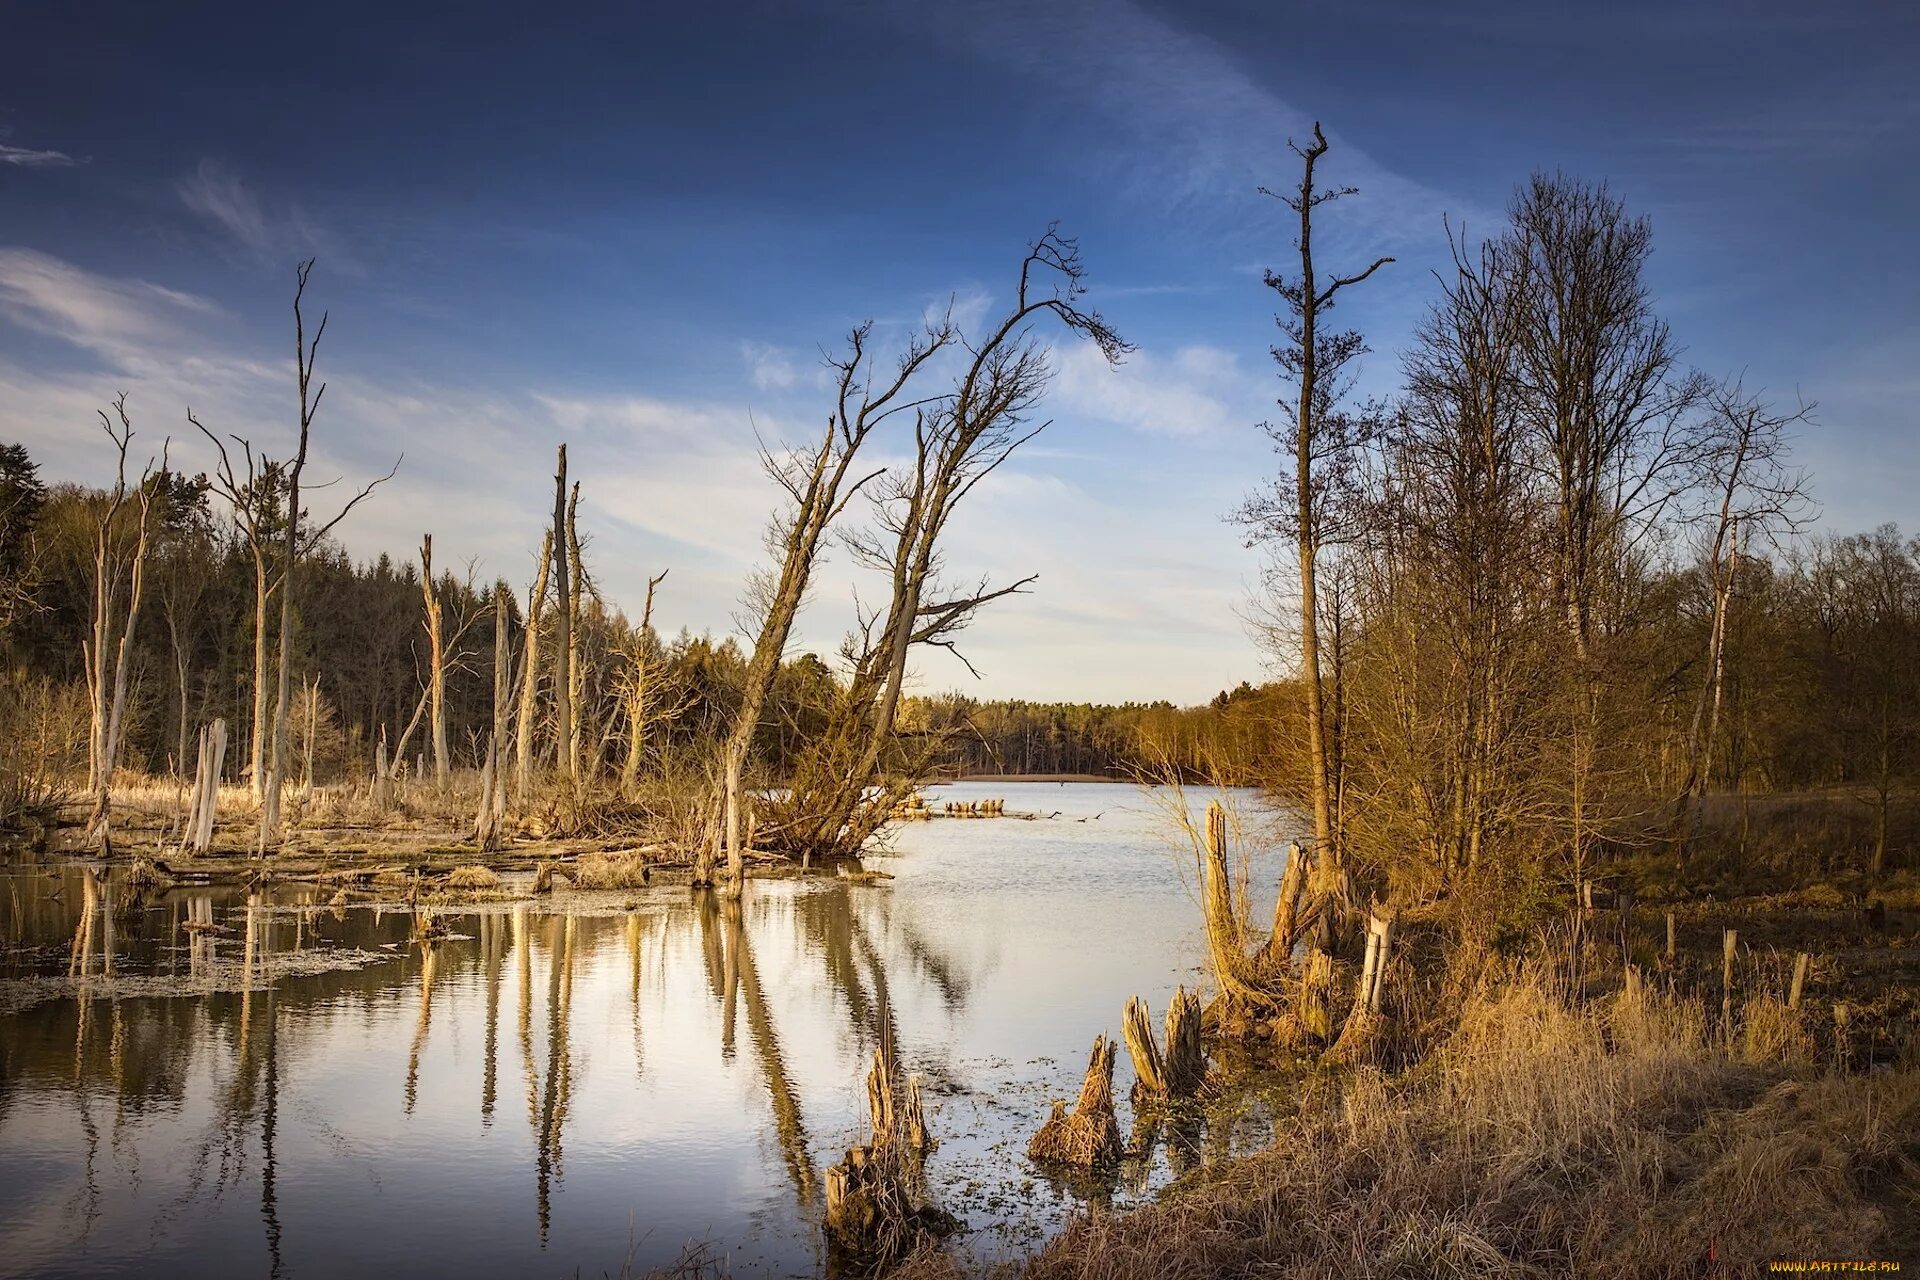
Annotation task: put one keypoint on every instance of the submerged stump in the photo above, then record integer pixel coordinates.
(876, 1208)
(1090, 1135)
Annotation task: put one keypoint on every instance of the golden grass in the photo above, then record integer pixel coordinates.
(1622, 1138)
(625, 870)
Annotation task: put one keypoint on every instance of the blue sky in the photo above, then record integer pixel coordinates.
(636, 228)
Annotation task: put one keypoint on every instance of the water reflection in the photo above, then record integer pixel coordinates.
(688, 1064)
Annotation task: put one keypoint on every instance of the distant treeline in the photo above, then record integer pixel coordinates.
(1232, 738)
(361, 658)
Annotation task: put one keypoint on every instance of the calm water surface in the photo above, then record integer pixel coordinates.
(565, 1086)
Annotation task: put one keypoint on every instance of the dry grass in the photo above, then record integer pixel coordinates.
(472, 877)
(1620, 1139)
(628, 869)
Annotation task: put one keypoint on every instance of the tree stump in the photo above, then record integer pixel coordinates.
(1090, 1136)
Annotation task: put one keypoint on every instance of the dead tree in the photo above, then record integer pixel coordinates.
(524, 742)
(960, 438)
(256, 497)
(819, 484)
(639, 690)
(1745, 457)
(573, 592)
(437, 662)
(119, 589)
(561, 555)
(1322, 441)
(294, 544)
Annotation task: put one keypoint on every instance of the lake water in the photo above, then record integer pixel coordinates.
(567, 1087)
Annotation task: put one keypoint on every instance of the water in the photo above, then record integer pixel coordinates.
(568, 1088)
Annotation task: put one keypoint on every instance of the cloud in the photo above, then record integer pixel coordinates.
(1197, 131)
(222, 198)
(28, 158)
(770, 367)
(671, 483)
(1198, 390)
(110, 317)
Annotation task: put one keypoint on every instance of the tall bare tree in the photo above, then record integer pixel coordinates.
(1759, 495)
(119, 590)
(255, 492)
(561, 553)
(525, 723)
(294, 544)
(1322, 440)
(436, 660)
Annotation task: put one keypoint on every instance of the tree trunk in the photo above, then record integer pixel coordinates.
(530, 678)
(563, 640)
(437, 656)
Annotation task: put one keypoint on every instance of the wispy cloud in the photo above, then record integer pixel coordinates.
(29, 158)
(221, 197)
(111, 317)
(1197, 390)
(1196, 131)
(770, 367)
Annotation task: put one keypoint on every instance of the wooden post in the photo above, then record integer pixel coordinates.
(1672, 940)
(1800, 964)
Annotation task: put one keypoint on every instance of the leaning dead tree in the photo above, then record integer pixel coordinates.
(847, 786)
(119, 589)
(818, 481)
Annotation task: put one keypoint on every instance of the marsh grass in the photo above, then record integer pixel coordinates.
(1618, 1137)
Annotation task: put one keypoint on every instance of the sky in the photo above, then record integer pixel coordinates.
(638, 228)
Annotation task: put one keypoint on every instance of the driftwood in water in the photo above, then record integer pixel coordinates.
(1090, 1136)
(1176, 1072)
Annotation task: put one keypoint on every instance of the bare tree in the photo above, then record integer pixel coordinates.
(818, 484)
(437, 662)
(561, 553)
(1608, 406)
(960, 438)
(638, 694)
(1322, 441)
(530, 677)
(255, 493)
(1759, 496)
(294, 544)
(119, 589)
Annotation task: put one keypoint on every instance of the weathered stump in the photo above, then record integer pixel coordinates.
(1090, 1135)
